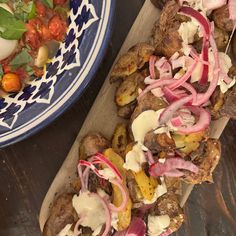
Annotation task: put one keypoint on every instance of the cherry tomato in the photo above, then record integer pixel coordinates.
(32, 36)
(11, 83)
(59, 2)
(57, 26)
(45, 33)
(40, 8)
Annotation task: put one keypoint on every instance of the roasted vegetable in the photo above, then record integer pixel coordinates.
(127, 92)
(229, 107)
(127, 110)
(188, 143)
(158, 142)
(147, 185)
(148, 102)
(217, 101)
(206, 163)
(131, 61)
(221, 18)
(165, 37)
(91, 144)
(120, 139)
(61, 214)
(168, 204)
(124, 217)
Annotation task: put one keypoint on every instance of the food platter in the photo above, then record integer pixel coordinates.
(104, 109)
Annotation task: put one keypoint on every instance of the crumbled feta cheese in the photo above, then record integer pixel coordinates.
(135, 158)
(107, 173)
(157, 224)
(187, 31)
(225, 64)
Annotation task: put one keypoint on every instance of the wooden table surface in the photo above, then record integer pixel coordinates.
(27, 168)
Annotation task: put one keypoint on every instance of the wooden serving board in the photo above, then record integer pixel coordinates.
(102, 116)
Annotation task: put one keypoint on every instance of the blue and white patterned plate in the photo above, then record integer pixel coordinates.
(68, 74)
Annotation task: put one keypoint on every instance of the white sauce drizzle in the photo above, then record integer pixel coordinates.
(90, 210)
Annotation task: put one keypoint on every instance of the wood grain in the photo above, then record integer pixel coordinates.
(27, 168)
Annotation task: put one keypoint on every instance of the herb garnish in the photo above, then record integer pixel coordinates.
(24, 11)
(48, 3)
(21, 59)
(11, 28)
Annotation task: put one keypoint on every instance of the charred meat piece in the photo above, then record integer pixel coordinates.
(165, 36)
(62, 213)
(127, 92)
(127, 110)
(91, 144)
(158, 142)
(168, 205)
(221, 38)
(95, 182)
(131, 61)
(206, 163)
(221, 18)
(217, 101)
(229, 107)
(148, 102)
(120, 139)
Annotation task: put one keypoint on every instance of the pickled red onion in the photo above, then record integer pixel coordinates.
(158, 83)
(170, 95)
(202, 123)
(204, 24)
(107, 213)
(185, 77)
(124, 194)
(177, 121)
(137, 227)
(171, 109)
(191, 89)
(205, 97)
(103, 160)
(160, 169)
(152, 66)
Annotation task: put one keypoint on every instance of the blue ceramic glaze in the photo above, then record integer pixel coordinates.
(44, 99)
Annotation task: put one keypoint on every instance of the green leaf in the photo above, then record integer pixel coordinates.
(3, 1)
(48, 3)
(29, 70)
(10, 27)
(24, 11)
(21, 59)
(1, 71)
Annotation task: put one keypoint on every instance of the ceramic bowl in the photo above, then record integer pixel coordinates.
(43, 99)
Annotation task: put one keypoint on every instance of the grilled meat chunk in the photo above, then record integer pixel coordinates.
(206, 163)
(62, 213)
(91, 144)
(158, 142)
(229, 107)
(168, 205)
(148, 102)
(221, 18)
